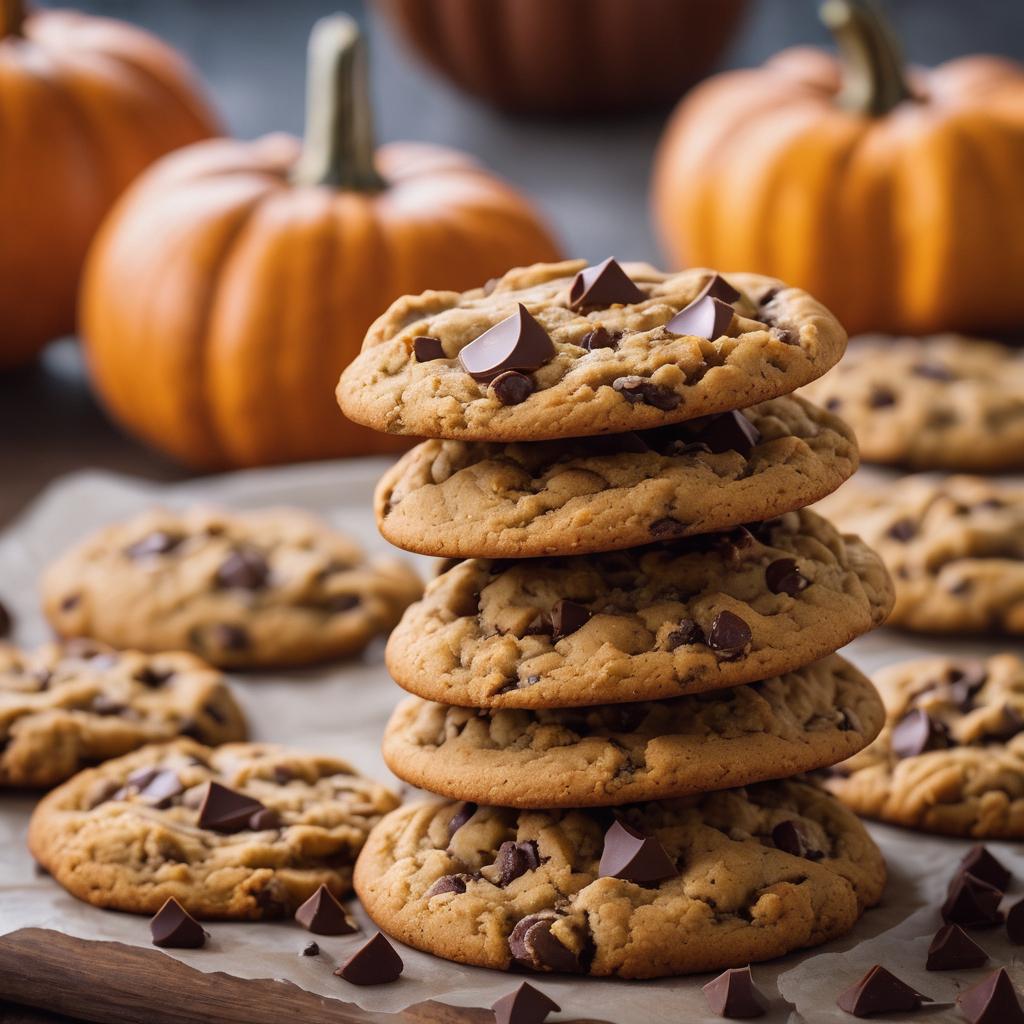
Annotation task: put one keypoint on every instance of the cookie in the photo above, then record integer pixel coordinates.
(715, 881)
(951, 756)
(638, 352)
(696, 614)
(243, 831)
(945, 402)
(624, 753)
(242, 590)
(461, 499)
(64, 707)
(954, 547)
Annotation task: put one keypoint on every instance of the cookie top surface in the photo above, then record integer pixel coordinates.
(745, 875)
(954, 547)
(633, 375)
(696, 614)
(66, 706)
(951, 756)
(944, 402)
(624, 753)
(252, 589)
(316, 812)
(625, 490)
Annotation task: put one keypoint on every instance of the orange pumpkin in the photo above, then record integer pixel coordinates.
(86, 104)
(236, 280)
(569, 56)
(893, 195)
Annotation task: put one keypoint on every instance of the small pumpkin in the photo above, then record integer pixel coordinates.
(568, 56)
(235, 281)
(891, 194)
(87, 103)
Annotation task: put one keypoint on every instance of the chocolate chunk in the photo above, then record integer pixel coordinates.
(161, 788)
(962, 684)
(322, 914)
(515, 859)
(376, 963)
(791, 837)
(464, 812)
(6, 621)
(783, 576)
(605, 284)
(264, 818)
(283, 774)
(567, 617)
(881, 397)
(687, 632)
(310, 949)
(730, 432)
(705, 317)
(634, 856)
(880, 991)
(718, 288)
(526, 1005)
(953, 949)
(729, 635)
(978, 861)
(152, 677)
(532, 945)
(850, 721)
(992, 1001)
(447, 883)
(600, 337)
(243, 569)
(224, 810)
(629, 443)
(512, 387)
(229, 637)
(426, 349)
(516, 343)
(667, 526)
(734, 995)
(173, 927)
(159, 542)
(1015, 923)
(539, 625)
(933, 371)
(69, 602)
(917, 732)
(1010, 723)
(903, 530)
(972, 903)
(639, 389)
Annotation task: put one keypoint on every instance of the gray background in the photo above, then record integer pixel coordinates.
(590, 177)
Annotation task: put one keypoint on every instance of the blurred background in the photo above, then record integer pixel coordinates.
(589, 176)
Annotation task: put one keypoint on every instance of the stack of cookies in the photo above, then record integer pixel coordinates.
(633, 631)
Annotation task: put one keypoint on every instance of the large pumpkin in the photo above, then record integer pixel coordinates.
(569, 56)
(895, 196)
(85, 104)
(235, 281)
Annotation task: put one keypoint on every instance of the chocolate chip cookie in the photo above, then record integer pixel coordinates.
(67, 706)
(623, 753)
(245, 590)
(460, 498)
(690, 615)
(954, 547)
(945, 402)
(565, 350)
(672, 887)
(242, 831)
(951, 756)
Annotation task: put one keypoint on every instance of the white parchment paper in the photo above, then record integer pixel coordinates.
(341, 709)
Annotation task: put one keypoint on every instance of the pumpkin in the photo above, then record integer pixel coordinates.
(235, 280)
(87, 103)
(568, 56)
(893, 195)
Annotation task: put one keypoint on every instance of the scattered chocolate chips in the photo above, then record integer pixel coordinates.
(6, 621)
(639, 389)
(532, 945)
(600, 337)
(173, 927)
(516, 343)
(310, 949)
(687, 632)
(1015, 923)
(512, 387)
(902, 530)
(953, 949)
(464, 812)
(515, 859)
(731, 431)
(567, 617)
(224, 810)
(978, 861)
(791, 837)
(426, 349)
(159, 542)
(634, 856)
(729, 635)
(525, 1005)
(244, 569)
(322, 914)
(783, 576)
(917, 732)
(447, 883)
(706, 317)
(972, 903)
(734, 995)
(880, 991)
(992, 1001)
(375, 963)
(605, 284)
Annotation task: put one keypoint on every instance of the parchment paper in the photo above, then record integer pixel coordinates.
(342, 709)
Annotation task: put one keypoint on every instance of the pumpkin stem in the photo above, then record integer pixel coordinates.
(12, 17)
(873, 79)
(338, 147)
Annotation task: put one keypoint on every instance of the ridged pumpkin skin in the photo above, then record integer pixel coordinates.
(86, 103)
(907, 222)
(221, 302)
(569, 56)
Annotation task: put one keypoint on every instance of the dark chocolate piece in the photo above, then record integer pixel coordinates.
(917, 732)
(705, 317)
(1015, 923)
(605, 284)
(161, 788)
(783, 576)
(265, 818)
(687, 632)
(532, 945)
(729, 432)
(634, 856)
(734, 995)
(903, 530)
(639, 389)
(953, 949)
(729, 635)
(718, 288)
(310, 949)
(447, 883)
(978, 861)
(600, 337)
(567, 617)
(512, 387)
(224, 810)
(791, 837)
(463, 813)
(515, 859)
(159, 542)
(6, 620)
(322, 914)
(516, 343)
(244, 569)
(173, 927)
(992, 1001)
(375, 963)
(524, 1005)
(426, 349)
(972, 903)
(880, 991)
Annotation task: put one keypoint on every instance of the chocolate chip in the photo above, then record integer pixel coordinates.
(706, 317)
(512, 387)
(463, 813)
(69, 602)
(634, 856)
(339, 603)
(6, 621)
(283, 774)
(526, 1005)
(600, 337)
(173, 927)
(666, 527)
(263, 819)
(152, 677)
(850, 721)
(159, 542)
(1015, 923)
(953, 949)
(933, 371)
(516, 343)
(515, 859)
(881, 397)
(426, 349)
(718, 288)
(448, 883)
(791, 837)
(1010, 723)
(917, 732)
(322, 914)
(978, 861)
(243, 569)
(833, 403)
(376, 963)
(729, 432)
(161, 788)
(639, 389)
(783, 576)
(734, 995)
(567, 617)
(605, 284)
(972, 903)
(226, 636)
(729, 635)
(687, 632)
(532, 945)
(310, 949)
(224, 810)
(960, 685)
(880, 991)
(992, 1001)
(902, 530)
